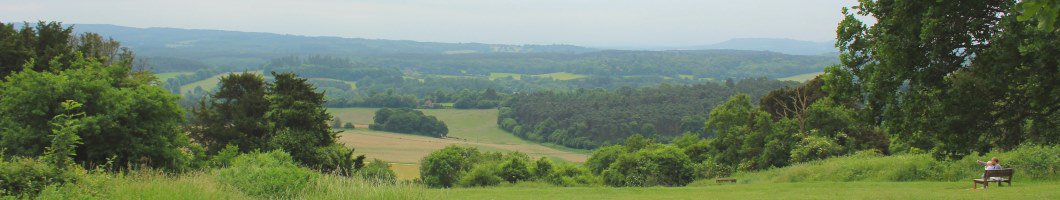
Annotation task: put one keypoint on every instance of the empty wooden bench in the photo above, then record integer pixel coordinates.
(723, 180)
(998, 175)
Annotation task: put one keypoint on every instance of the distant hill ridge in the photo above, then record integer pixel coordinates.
(786, 46)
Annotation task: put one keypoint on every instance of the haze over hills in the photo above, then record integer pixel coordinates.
(786, 46)
(248, 48)
(174, 49)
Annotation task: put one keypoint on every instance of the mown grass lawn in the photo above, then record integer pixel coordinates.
(804, 190)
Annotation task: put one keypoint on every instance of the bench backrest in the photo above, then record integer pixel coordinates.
(998, 173)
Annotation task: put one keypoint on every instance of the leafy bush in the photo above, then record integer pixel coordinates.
(603, 157)
(442, 168)
(657, 165)
(572, 175)
(515, 169)
(377, 170)
(271, 175)
(707, 169)
(27, 176)
(542, 168)
(480, 176)
(225, 156)
(815, 147)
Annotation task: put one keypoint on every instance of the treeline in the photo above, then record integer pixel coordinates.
(404, 120)
(593, 118)
(718, 64)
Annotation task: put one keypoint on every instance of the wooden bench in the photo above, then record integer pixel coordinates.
(998, 175)
(723, 180)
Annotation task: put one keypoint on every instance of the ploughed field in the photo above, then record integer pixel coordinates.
(471, 127)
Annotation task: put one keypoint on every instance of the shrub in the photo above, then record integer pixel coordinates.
(377, 170)
(225, 156)
(442, 168)
(271, 175)
(542, 168)
(659, 165)
(815, 147)
(572, 175)
(707, 169)
(515, 168)
(603, 157)
(28, 176)
(480, 176)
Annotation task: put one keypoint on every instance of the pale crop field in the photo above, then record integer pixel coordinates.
(802, 77)
(472, 127)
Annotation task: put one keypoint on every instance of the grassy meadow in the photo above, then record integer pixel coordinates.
(169, 75)
(207, 185)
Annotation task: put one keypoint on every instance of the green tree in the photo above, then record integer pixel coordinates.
(443, 168)
(125, 117)
(233, 115)
(953, 78)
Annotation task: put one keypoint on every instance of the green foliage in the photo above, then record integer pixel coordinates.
(1045, 12)
(64, 136)
(377, 170)
(124, 115)
(952, 84)
(481, 176)
(602, 158)
(597, 117)
(660, 165)
(232, 115)
(225, 156)
(815, 147)
(269, 175)
(708, 170)
(404, 120)
(569, 175)
(515, 168)
(443, 168)
(27, 176)
(744, 136)
(542, 168)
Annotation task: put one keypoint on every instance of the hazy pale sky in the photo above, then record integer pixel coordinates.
(579, 22)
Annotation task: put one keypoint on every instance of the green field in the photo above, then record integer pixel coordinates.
(206, 185)
(169, 75)
(802, 77)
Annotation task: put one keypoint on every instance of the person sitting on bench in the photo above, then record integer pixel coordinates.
(990, 165)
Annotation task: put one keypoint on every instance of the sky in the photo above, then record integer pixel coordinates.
(576, 22)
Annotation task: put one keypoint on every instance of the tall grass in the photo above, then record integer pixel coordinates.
(1033, 163)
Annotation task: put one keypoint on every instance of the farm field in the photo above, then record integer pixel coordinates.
(803, 190)
(801, 77)
(563, 76)
(473, 127)
(207, 84)
(169, 75)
